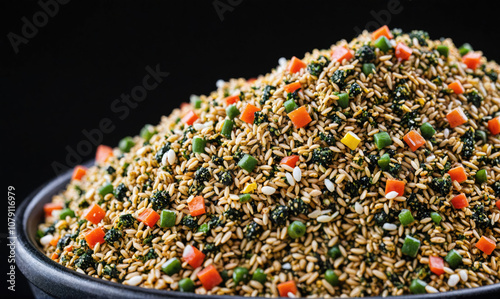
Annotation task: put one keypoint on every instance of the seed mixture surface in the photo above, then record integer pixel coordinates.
(371, 168)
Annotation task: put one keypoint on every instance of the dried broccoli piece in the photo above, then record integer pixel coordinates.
(266, 93)
(279, 215)
(260, 118)
(126, 220)
(112, 235)
(233, 214)
(322, 156)
(297, 206)
(441, 185)
(399, 96)
(150, 255)
(408, 120)
(64, 241)
(111, 271)
(328, 138)
(159, 200)
(474, 98)
(209, 247)
(492, 75)
(364, 182)
(202, 175)
(253, 231)
(190, 222)
(339, 77)
(419, 209)
(316, 67)
(85, 261)
(217, 160)
(421, 37)
(469, 143)
(225, 178)
(355, 89)
(120, 192)
(480, 217)
(110, 170)
(365, 54)
(496, 188)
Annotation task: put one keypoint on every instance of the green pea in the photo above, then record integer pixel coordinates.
(481, 176)
(186, 285)
(334, 252)
(147, 132)
(259, 276)
(296, 229)
(240, 274)
(331, 277)
(126, 144)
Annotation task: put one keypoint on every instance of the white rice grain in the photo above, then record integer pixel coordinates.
(134, 281)
(297, 174)
(268, 190)
(329, 185)
(463, 275)
(453, 280)
(45, 240)
(391, 195)
(171, 156)
(290, 179)
(358, 207)
(390, 226)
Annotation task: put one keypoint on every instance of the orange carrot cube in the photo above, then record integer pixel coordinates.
(486, 245)
(414, 140)
(79, 172)
(300, 117)
(384, 30)
(456, 117)
(149, 217)
(472, 60)
(457, 87)
(232, 99)
(494, 125)
(197, 206)
(248, 114)
(340, 53)
(292, 87)
(94, 213)
(103, 153)
(403, 52)
(94, 237)
(460, 201)
(458, 174)
(395, 185)
(296, 65)
(190, 118)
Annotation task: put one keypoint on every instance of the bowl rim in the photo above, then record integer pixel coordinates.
(37, 267)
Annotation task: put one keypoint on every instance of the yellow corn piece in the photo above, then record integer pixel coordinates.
(421, 101)
(351, 140)
(249, 188)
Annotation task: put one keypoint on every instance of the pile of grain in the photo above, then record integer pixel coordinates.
(344, 199)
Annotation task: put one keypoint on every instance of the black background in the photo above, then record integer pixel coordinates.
(65, 78)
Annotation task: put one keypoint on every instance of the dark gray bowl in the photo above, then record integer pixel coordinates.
(51, 280)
